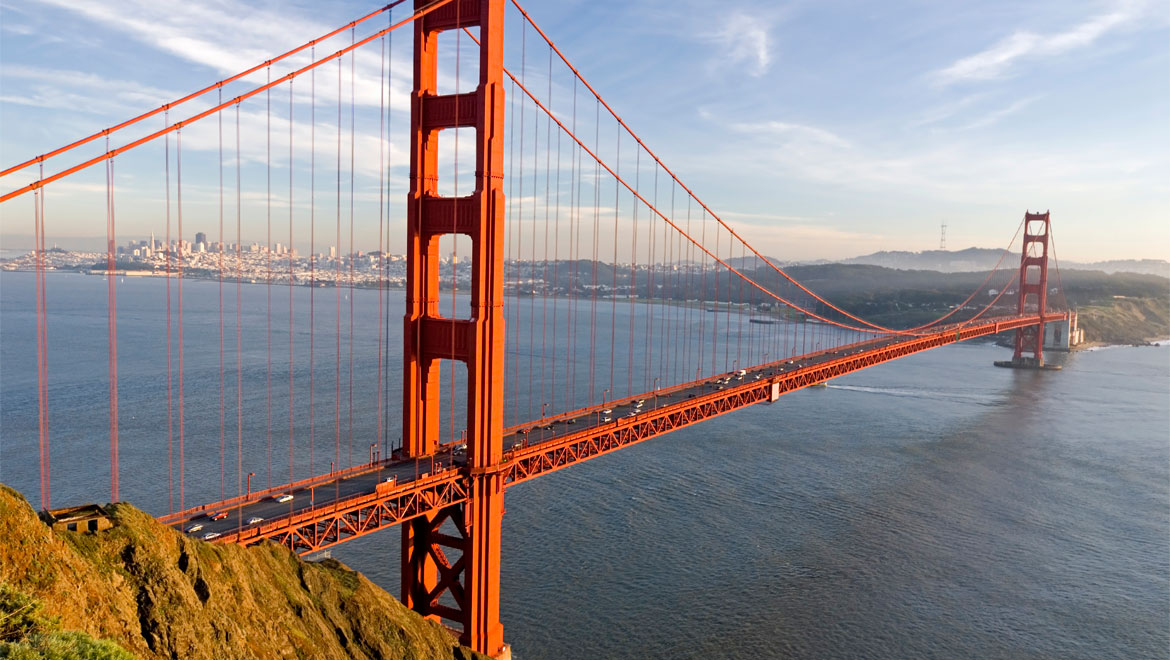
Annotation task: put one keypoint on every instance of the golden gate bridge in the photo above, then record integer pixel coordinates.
(551, 208)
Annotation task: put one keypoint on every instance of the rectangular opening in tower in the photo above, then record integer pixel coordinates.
(452, 403)
(455, 169)
(456, 264)
(457, 59)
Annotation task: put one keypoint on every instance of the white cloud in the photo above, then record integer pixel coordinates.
(999, 58)
(230, 38)
(75, 90)
(743, 38)
(964, 171)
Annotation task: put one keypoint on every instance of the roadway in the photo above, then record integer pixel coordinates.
(403, 471)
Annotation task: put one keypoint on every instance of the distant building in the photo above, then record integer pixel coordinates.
(200, 237)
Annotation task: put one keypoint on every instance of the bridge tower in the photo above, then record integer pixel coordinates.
(1033, 287)
(448, 574)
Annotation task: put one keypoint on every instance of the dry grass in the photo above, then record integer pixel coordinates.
(163, 595)
(1126, 321)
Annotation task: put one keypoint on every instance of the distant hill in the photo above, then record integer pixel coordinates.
(983, 259)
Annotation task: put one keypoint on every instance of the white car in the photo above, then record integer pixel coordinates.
(283, 497)
(210, 535)
(194, 528)
(255, 519)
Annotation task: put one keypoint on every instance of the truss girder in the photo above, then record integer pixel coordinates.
(524, 463)
(315, 529)
(435, 494)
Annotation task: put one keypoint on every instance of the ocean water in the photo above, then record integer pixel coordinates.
(935, 507)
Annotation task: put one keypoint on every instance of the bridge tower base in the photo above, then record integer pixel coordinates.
(451, 557)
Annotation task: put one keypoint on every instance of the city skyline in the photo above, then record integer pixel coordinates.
(861, 131)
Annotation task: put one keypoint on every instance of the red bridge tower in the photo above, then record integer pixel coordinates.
(1033, 287)
(453, 572)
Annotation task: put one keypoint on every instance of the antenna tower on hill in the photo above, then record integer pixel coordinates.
(942, 239)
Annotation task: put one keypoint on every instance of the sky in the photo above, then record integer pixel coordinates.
(821, 129)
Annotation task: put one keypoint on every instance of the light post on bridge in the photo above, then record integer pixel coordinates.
(656, 393)
(249, 494)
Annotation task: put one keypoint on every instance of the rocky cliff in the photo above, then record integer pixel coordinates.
(142, 590)
(1126, 321)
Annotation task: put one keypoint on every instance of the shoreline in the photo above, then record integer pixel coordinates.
(1098, 345)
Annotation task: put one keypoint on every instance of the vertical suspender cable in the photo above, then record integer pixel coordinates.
(112, 323)
(519, 232)
(634, 268)
(381, 220)
(268, 272)
(239, 318)
(352, 140)
(167, 250)
(596, 221)
(702, 296)
(574, 252)
(179, 267)
(291, 278)
(336, 256)
(545, 291)
(510, 325)
(556, 256)
(532, 402)
(390, 157)
(613, 288)
(219, 327)
(652, 266)
(313, 266)
(42, 346)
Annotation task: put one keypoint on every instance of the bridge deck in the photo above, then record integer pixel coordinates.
(330, 509)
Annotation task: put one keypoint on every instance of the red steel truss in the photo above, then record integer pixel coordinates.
(315, 529)
(436, 502)
(525, 463)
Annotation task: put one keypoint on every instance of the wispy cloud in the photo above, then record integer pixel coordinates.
(997, 115)
(229, 38)
(76, 90)
(792, 134)
(998, 59)
(743, 39)
(957, 170)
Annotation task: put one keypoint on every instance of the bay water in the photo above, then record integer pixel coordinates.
(934, 507)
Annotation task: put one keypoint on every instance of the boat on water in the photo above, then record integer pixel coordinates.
(762, 321)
